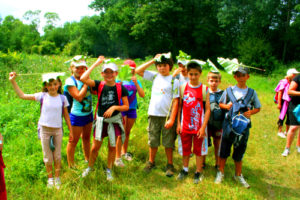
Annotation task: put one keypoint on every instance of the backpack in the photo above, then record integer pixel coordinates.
(52, 147)
(235, 122)
(100, 88)
(69, 97)
(216, 113)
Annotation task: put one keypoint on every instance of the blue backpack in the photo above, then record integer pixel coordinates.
(236, 124)
(217, 114)
(69, 97)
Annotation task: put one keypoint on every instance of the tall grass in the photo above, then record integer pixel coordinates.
(270, 175)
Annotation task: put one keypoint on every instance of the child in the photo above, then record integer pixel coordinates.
(3, 195)
(294, 92)
(81, 113)
(134, 86)
(216, 118)
(53, 105)
(238, 96)
(164, 98)
(283, 100)
(192, 123)
(108, 117)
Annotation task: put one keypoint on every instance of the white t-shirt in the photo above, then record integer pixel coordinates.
(161, 93)
(51, 114)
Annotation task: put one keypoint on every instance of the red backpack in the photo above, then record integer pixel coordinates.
(100, 88)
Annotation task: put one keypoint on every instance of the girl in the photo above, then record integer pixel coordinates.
(134, 86)
(81, 114)
(283, 100)
(108, 116)
(53, 105)
(3, 194)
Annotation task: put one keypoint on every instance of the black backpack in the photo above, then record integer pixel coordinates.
(217, 115)
(69, 97)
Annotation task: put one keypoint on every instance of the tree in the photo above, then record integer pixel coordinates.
(51, 19)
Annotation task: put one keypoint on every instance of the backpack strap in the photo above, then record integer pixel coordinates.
(230, 95)
(119, 91)
(62, 98)
(182, 88)
(204, 92)
(248, 96)
(73, 78)
(42, 101)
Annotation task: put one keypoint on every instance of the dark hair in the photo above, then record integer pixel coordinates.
(194, 66)
(165, 60)
(59, 91)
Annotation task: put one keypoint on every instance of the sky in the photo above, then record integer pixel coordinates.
(68, 10)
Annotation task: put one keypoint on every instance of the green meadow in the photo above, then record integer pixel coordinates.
(270, 175)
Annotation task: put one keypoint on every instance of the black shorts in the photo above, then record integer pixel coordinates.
(292, 118)
(239, 151)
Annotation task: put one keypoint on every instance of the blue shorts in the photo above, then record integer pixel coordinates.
(131, 113)
(81, 120)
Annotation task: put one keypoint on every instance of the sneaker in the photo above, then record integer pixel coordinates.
(182, 175)
(240, 179)
(198, 177)
(86, 172)
(57, 183)
(119, 162)
(219, 177)
(170, 170)
(149, 166)
(298, 149)
(109, 176)
(281, 134)
(286, 152)
(50, 183)
(128, 156)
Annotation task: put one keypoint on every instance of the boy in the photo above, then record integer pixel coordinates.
(214, 127)
(164, 98)
(192, 123)
(108, 118)
(240, 92)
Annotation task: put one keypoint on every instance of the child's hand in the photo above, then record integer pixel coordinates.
(229, 105)
(169, 124)
(178, 129)
(108, 113)
(201, 133)
(100, 60)
(12, 76)
(177, 71)
(157, 55)
(134, 80)
(247, 114)
(279, 106)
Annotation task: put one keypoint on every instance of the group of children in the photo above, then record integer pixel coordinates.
(179, 103)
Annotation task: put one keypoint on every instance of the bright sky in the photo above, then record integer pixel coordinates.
(68, 10)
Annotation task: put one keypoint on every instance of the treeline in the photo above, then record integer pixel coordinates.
(261, 33)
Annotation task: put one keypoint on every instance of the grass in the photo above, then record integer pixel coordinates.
(270, 175)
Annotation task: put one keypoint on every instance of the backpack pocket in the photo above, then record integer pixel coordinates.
(239, 124)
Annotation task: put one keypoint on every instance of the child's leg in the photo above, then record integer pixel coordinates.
(291, 135)
(152, 153)
(119, 146)
(47, 153)
(217, 141)
(199, 163)
(169, 154)
(298, 140)
(86, 140)
(129, 124)
(94, 152)
(73, 140)
(238, 167)
(57, 140)
(222, 163)
(111, 155)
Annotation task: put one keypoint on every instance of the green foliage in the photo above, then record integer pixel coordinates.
(124, 73)
(72, 48)
(47, 48)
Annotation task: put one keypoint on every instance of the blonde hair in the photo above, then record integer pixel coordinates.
(289, 77)
(214, 75)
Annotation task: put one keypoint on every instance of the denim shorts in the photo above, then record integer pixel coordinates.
(81, 120)
(131, 113)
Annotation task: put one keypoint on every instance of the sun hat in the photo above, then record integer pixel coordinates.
(292, 71)
(131, 64)
(241, 69)
(198, 62)
(77, 61)
(184, 62)
(111, 66)
(48, 76)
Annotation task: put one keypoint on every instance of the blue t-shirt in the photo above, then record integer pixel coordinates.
(131, 88)
(84, 107)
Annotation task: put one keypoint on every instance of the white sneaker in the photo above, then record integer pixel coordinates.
(298, 149)
(119, 162)
(286, 152)
(281, 134)
(109, 176)
(240, 179)
(128, 156)
(50, 183)
(57, 183)
(219, 177)
(86, 172)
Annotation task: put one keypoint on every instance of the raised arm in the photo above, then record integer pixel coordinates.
(141, 69)
(85, 78)
(293, 89)
(140, 90)
(17, 89)
(76, 94)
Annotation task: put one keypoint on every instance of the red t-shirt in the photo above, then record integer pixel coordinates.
(192, 109)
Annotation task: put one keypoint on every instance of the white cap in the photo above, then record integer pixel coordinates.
(79, 63)
(184, 62)
(111, 66)
(292, 71)
(49, 76)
